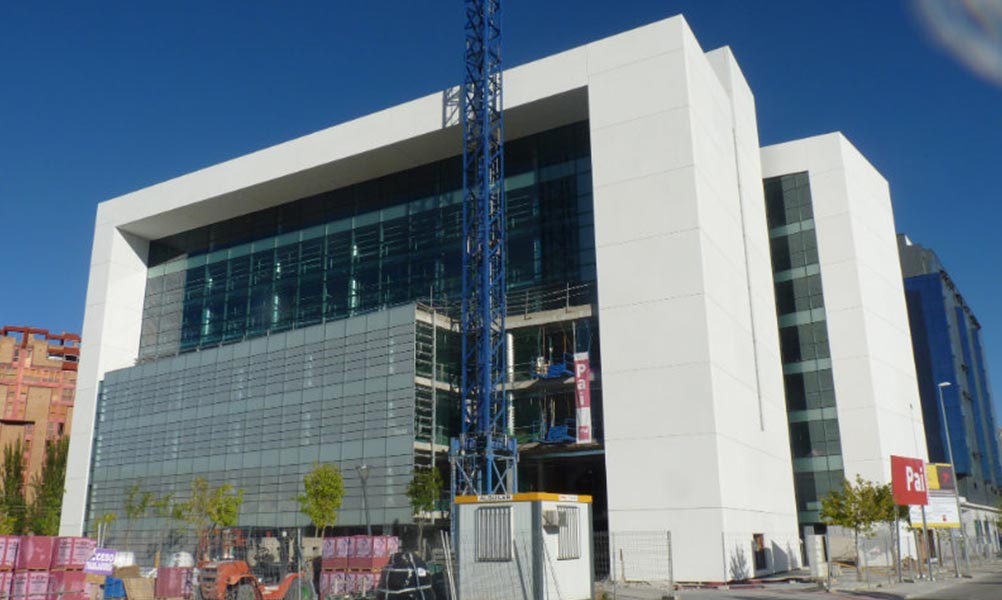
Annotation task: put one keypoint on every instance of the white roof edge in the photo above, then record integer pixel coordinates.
(806, 153)
(811, 139)
(524, 84)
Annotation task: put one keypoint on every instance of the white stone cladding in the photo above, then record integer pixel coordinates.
(876, 390)
(695, 419)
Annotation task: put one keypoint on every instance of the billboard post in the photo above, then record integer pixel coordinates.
(909, 487)
(945, 504)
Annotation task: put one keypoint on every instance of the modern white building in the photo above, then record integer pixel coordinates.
(694, 411)
(847, 351)
(248, 319)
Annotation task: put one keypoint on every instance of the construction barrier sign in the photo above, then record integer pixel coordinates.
(941, 513)
(102, 562)
(908, 481)
(582, 396)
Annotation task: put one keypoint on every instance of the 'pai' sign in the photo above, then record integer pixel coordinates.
(908, 481)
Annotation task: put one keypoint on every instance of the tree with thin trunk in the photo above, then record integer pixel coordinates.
(857, 507)
(137, 503)
(103, 526)
(424, 490)
(12, 503)
(209, 508)
(322, 495)
(161, 509)
(48, 487)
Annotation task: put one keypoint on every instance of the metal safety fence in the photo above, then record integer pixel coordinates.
(634, 565)
(944, 552)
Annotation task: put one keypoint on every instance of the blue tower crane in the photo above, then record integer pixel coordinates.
(485, 454)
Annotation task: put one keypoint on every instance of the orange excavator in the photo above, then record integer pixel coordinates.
(233, 580)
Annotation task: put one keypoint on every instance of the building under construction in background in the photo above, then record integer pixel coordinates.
(302, 304)
(38, 379)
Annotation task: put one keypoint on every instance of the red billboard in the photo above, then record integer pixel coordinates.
(908, 481)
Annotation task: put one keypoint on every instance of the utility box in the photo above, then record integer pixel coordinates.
(532, 546)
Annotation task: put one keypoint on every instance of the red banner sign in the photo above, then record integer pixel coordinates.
(908, 481)
(582, 396)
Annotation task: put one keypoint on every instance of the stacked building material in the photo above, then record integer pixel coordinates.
(31, 567)
(351, 565)
(8, 556)
(31, 585)
(39, 567)
(68, 581)
(174, 583)
(72, 553)
(138, 588)
(35, 553)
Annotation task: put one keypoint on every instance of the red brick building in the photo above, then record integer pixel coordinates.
(38, 374)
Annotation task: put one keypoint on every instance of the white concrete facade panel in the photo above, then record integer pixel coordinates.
(876, 388)
(717, 321)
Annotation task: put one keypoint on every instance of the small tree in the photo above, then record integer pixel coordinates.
(887, 510)
(137, 503)
(12, 501)
(322, 495)
(857, 507)
(103, 525)
(162, 509)
(424, 490)
(210, 508)
(890, 513)
(48, 487)
(177, 523)
(224, 506)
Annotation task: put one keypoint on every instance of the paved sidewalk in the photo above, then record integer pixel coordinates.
(912, 589)
(847, 588)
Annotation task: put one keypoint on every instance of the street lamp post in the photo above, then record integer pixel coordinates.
(956, 481)
(363, 474)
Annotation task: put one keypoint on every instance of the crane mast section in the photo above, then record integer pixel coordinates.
(485, 453)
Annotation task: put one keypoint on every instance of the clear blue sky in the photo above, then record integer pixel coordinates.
(103, 99)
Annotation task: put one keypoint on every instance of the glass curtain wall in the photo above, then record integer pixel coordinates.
(815, 443)
(368, 246)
